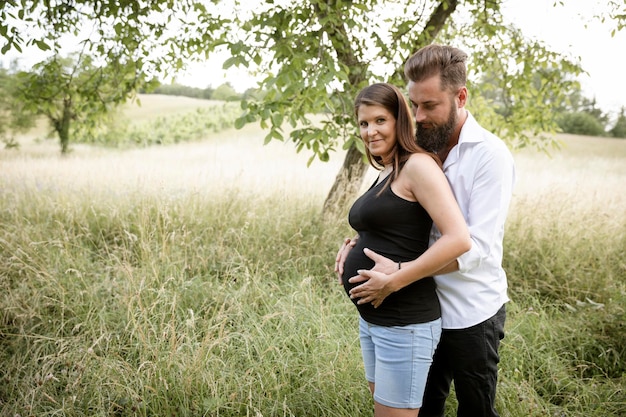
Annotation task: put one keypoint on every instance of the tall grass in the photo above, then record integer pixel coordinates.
(565, 245)
(186, 306)
(196, 280)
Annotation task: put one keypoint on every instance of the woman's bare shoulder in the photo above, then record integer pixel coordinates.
(421, 161)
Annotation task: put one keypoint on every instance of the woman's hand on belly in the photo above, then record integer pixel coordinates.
(342, 254)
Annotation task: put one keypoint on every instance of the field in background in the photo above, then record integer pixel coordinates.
(235, 153)
(196, 280)
(234, 158)
(586, 168)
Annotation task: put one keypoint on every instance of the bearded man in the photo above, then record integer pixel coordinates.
(472, 289)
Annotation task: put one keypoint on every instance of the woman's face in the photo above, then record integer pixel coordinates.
(378, 130)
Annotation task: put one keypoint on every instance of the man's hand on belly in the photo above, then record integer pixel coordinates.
(376, 281)
(375, 288)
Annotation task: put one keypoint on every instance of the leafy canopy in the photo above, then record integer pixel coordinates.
(159, 35)
(316, 55)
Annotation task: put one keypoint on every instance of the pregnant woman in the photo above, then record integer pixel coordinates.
(399, 330)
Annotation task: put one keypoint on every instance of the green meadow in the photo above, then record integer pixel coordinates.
(196, 279)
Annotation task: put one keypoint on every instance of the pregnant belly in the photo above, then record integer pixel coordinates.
(355, 260)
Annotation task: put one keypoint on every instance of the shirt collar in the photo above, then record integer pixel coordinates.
(470, 130)
(469, 134)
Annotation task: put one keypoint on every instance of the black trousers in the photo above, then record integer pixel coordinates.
(469, 357)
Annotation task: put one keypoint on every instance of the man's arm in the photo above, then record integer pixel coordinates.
(487, 206)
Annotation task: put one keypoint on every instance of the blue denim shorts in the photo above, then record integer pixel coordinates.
(397, 360)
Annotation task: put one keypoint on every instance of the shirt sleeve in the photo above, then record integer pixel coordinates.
(488, 204)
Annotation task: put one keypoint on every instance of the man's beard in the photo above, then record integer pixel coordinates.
(435, 139)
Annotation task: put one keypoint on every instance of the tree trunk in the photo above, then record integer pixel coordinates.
(350, 177)
(347, 182)
(63, 127)
(64, 136)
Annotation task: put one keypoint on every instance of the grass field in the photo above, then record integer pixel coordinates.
(196, 280)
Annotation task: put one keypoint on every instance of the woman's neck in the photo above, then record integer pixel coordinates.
(384, 173)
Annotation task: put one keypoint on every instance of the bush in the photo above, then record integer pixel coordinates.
(619, 130)
(581, 123)
(225, 92)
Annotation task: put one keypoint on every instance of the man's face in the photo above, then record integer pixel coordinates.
(435, 113)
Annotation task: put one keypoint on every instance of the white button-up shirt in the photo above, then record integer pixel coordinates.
(481, 172)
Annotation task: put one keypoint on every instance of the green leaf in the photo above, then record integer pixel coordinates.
(276, 134)
(277, 119)
(42, 45)
(232, 61)
(240, 122)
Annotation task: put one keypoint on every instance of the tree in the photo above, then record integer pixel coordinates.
(74, 93)
(590, 106)
(616, 14)
(158, 35)
(132, 40)
(581, 123)
(127, 43)
(619, 130)
(225, 92)
(317, 54)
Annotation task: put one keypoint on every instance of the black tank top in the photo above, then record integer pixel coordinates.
(398, 229)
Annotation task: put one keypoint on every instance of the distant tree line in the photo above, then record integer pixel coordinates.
(573, 114)
(224, 92)
(581, 116)
(588, 119)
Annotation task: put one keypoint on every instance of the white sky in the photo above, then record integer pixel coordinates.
(569, 29)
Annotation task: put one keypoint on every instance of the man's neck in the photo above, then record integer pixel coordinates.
(443, 154)
(454, 139)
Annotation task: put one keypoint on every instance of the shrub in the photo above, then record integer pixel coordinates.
(581, 123)
(619, 130)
